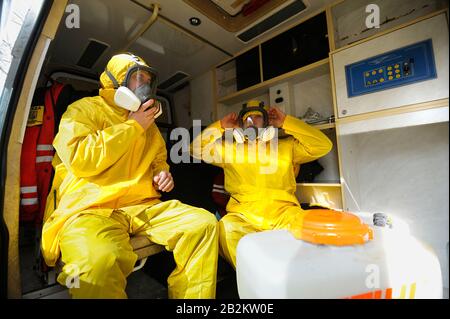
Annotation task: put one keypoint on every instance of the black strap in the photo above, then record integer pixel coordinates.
(112, 78)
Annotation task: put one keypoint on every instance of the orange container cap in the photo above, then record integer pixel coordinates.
(331, 227)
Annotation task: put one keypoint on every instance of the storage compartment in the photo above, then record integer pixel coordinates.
(226, 78)
(248, 69)
(239, 73)
(314, 93)
(404, 172)
(349, 17)
(330, 174)
(386, 54)
(295, 48)
(323, 194)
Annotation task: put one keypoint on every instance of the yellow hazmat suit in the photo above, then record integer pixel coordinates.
(104, 173)
(261, 200)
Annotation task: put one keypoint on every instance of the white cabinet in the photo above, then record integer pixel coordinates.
(393, 143)
(434, 28)
(404, 172)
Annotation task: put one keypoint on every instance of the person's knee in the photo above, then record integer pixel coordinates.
(221, 225)
(206, 220)
(224, 229)
(106, 258)
(203, 225)
(225, 226)
(209, 220)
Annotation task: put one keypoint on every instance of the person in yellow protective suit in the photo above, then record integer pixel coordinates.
(260, 199)
(109, 170)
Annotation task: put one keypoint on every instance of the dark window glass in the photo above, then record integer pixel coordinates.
(302, 45)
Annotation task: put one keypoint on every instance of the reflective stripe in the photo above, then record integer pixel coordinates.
(28, 201)
(44, 147)
(40, 159)
(28, 189)
(218, 186)
(220, 191)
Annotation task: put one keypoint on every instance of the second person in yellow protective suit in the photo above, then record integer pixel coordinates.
(109, 170)
(261, 198)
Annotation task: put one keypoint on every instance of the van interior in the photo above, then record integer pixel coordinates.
(390, 154)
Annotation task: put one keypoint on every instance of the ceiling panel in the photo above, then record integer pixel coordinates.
(171, 44)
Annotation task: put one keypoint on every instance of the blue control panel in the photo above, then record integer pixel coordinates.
(402, 66)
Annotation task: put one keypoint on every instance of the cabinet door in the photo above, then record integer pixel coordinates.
(248, 69)
(371, 76)
(302, 45)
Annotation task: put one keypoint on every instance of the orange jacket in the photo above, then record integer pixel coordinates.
(36, 161)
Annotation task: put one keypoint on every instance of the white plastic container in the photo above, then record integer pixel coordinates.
(274, 264)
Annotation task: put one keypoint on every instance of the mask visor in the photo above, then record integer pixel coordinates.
(142, 82)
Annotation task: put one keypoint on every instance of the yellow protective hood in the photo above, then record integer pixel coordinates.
(253, 103)
(118, 66)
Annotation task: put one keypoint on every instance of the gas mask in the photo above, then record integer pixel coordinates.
(138, 87)
(253, 123)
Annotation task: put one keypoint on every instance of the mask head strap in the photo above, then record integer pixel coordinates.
(112, 78)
